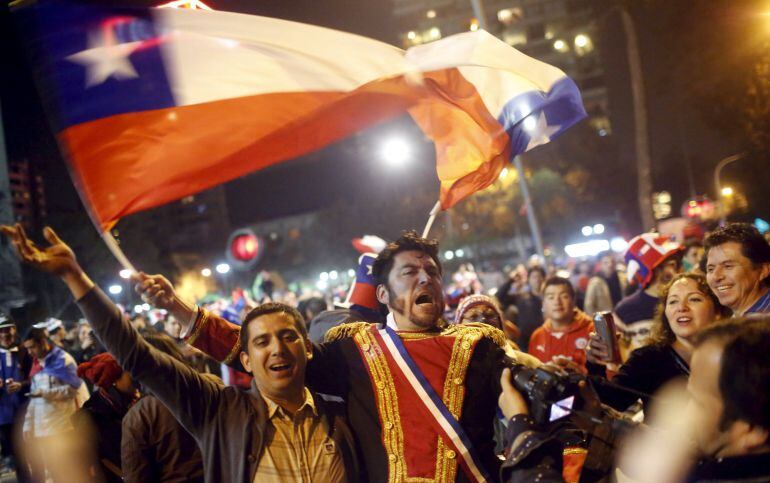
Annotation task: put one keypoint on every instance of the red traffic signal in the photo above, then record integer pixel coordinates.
(244, 249)
(700, 208)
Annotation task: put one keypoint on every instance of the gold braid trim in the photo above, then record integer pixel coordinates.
(454, 395)
(200, 322)
(495, 335)
(345, 331)
(385, 395)
(569, 451)
(233, 352)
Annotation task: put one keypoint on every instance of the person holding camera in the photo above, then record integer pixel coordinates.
(685, 307)
(542, 422)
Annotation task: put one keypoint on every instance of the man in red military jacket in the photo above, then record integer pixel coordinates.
(398, 435)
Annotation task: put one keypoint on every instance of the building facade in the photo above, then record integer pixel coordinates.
(559, 32)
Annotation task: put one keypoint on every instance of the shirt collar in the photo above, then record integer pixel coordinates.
(761, 305)
(273, 408)
(390, 321)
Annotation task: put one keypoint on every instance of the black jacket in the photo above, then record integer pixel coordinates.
(228, 424)
(155, 447)
(646, 370)
(101, 416)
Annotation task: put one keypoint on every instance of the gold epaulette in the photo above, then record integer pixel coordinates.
(495, 335)
(344, 331)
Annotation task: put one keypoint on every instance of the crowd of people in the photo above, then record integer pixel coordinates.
(653, 367)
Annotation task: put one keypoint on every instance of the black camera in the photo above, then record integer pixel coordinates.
(551, 393)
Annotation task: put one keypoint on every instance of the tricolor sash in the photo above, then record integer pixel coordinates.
(443, 420)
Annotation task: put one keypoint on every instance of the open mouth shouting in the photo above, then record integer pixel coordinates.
(684, 320)
(281, 368)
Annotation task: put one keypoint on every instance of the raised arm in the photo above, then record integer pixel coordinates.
(190, 397)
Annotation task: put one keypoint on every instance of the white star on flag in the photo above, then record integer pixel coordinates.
(541, 133)
(103, 60)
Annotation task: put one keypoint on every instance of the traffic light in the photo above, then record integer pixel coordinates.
(700, 208)
(244, 249)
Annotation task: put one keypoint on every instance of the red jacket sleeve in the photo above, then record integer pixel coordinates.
(216, 337)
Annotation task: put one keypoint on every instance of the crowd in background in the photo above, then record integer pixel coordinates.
(80, 413)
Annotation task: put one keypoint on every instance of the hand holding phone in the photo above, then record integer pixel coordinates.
(604, 343)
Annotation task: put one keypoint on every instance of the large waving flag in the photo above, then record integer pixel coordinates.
(152, 105)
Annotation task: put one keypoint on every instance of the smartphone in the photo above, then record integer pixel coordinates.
(604, 325)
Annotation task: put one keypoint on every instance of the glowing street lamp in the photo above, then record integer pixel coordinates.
(125, 274)
(396, 151)
(727, 191)
(115, 289)
(206, 272)
(222, 268)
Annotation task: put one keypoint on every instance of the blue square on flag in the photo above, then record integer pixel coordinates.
(101, 61)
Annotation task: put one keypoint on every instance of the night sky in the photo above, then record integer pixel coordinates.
(349, 171)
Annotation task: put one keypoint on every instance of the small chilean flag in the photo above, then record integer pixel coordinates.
(153, 105)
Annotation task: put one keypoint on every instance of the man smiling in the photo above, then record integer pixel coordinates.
(406, 381)
(738, 268)
(277, 432)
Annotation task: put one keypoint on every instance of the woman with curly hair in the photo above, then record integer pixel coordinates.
(686, 306)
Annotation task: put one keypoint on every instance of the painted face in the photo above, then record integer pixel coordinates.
(558, 304)
(413, 294)
(733, 278)
(276, 355)
(688, 310)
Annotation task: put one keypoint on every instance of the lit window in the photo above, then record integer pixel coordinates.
(509, 15)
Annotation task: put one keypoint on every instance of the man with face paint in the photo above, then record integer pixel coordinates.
(397, 432)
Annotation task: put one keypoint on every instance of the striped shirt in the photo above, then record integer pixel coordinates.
(761, 306)
(298, 448)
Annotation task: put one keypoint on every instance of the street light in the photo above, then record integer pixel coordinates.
(727, 191)
(587, 230)
(222, 268)
(395, 151)
(115, 289)
(206, 272)
(717, 172)
(598, 228)
(125, 274)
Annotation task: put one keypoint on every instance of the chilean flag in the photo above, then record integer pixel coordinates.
(152, 105)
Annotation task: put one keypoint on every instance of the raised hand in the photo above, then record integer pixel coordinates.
(156, 290)
(57, 258)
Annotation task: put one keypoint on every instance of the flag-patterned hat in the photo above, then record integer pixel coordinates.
(362, 297)
(647, 251)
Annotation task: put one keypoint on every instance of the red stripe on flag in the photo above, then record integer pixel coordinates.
(132, 162)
